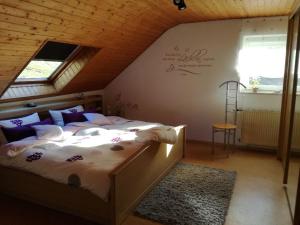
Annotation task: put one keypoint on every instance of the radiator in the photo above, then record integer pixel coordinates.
(262, 128)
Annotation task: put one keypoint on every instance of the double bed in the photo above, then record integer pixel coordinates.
(129, 179)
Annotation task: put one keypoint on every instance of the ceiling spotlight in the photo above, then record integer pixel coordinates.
(176, 2)
(180, 4)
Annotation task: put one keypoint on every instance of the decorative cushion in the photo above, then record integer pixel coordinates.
(75, 117)
(57, 117)
(18, 122)
(97, 118)
(17, 133)
(21, 132)
(49, 132)
(47, 121)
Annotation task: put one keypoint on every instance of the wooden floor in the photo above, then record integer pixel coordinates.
(258, 198)
(292, 184)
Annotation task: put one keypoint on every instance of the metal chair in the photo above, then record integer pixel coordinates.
(229, 127)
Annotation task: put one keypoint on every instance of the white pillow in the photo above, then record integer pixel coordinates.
(17, 122)
(117, 120)
(49, 132)
(97, 118)
(57, 116)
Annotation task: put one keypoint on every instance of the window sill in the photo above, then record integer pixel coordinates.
(261, 92)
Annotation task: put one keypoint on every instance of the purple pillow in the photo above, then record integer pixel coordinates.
(75, 116)
(47, 121)
(18, 133)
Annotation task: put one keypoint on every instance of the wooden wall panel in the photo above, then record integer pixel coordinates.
(122, 29)
(74, 67)
(28, 90)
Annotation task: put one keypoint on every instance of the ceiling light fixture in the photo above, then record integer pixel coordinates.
(180, 4)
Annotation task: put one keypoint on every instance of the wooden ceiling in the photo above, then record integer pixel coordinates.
(123, 29)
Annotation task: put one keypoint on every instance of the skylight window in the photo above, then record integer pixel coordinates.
(47, 62)
(39, 69)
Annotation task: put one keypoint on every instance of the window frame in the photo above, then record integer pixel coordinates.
(261, 88)
(54, 75)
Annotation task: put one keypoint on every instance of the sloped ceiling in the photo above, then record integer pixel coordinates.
(123, 29)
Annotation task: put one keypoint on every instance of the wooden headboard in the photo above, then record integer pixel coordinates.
(18, 109)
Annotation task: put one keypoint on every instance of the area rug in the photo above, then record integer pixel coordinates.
(190, 195)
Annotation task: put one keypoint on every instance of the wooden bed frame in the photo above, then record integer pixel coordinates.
(129, 184)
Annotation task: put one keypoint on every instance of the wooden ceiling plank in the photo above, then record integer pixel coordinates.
(62, 21)
(41, 27)
(289, 6)
(38, 25)
(18, 41)
(29, 29)
(64, 7)
(41, 8)
(123, 29)
(206, 8)
(40, 14)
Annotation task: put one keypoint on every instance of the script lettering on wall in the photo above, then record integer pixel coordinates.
(187, 61)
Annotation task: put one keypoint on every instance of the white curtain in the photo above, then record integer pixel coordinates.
(261, 57)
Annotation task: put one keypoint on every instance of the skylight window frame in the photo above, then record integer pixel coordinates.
(55, 74)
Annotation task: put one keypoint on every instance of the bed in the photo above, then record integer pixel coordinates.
(130, 181)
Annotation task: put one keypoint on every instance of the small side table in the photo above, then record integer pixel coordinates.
(228, 129)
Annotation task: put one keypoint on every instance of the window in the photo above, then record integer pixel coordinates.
(47, 62)
(261, 62)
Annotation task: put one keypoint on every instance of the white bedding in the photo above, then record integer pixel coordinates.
(86, 158)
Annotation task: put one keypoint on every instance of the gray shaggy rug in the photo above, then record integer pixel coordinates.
(190, 195)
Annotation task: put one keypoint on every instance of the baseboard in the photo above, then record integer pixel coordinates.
(239, 146)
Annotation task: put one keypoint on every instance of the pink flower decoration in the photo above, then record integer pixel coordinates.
(134, 130)
(17, 122)
(74, 158)
(35, 156)
(116, 139)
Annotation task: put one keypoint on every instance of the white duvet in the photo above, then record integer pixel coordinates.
(88, 154)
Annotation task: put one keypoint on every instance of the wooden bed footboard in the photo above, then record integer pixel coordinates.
(135, 178)
(130, 182)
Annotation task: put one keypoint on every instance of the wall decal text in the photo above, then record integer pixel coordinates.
(187, 61)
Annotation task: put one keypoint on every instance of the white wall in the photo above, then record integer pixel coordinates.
(149, 92)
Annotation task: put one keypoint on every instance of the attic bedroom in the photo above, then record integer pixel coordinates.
(171, 112)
